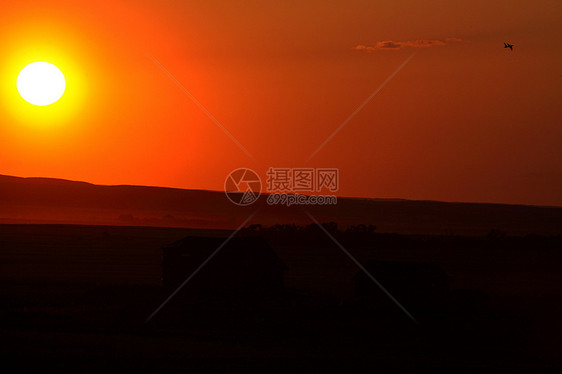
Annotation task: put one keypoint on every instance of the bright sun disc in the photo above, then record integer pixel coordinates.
(41, 83)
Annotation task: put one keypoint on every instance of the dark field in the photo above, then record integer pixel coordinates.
(76, 298)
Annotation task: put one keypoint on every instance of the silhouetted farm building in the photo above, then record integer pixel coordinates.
(416, 285)
(244, 266)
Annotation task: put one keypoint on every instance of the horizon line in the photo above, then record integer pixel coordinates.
(288, 193)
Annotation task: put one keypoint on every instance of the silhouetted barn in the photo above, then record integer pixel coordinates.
(245, 265)
(416, 285)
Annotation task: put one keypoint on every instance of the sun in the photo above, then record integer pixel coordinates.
(41, 83)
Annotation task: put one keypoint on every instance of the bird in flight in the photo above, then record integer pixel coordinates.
(507, 45)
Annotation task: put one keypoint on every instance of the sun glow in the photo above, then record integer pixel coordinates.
(44, 85)
(41, 83)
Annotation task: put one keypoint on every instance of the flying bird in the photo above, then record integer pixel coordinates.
(507, 45)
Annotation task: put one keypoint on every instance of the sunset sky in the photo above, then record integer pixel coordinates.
(463, 120)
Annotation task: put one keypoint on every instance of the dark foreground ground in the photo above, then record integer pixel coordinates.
(76, 298)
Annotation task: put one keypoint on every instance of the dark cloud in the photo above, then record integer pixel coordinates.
(392, 45)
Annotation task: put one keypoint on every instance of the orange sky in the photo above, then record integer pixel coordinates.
(464, 120)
